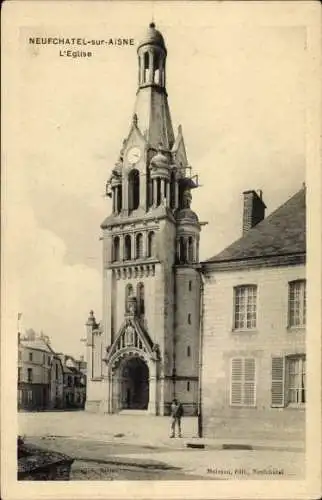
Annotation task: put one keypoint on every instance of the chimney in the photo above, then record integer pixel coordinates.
(254, 209)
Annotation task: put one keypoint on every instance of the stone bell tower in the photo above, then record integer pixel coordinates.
(145, 350)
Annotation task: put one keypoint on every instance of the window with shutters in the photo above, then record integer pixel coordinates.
(296, 390)
(243, 382)
(297, 303)
(288, 381)
(245, 307)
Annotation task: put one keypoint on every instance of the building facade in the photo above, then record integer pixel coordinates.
(40, 374)
(74, 382)
(145, 351)
(254, 306)
(48, 380)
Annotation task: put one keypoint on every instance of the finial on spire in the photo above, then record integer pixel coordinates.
(91, 319)
(135, 119)
(152, 24)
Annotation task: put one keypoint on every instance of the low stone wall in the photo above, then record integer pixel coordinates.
(36, 464)
(281, 424)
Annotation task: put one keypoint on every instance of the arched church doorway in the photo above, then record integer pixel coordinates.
(134, 384)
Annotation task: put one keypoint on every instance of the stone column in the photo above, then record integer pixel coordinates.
(121, 247)
(168, 193)
(116, 386)
(133, 246)
(152, 388)
(155, 191)
(116, 195)
(145, 244)
(178, 249)
(161, 191)
(113, 200)
(176, 188)
(151, 69)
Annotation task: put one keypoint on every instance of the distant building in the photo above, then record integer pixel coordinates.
(74, 393)
(40, 374)
(48, 380)
(254, 323)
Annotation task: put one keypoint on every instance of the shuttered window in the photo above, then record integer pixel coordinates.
(288, 381)
(278, 373)
(243, 385)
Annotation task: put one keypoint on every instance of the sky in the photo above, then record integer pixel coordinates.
(236, 84)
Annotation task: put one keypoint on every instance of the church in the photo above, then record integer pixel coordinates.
(146, 349)
(236, 323)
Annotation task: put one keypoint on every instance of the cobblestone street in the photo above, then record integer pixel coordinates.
(116, 447)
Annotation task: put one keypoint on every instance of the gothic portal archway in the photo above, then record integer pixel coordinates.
(134, 380)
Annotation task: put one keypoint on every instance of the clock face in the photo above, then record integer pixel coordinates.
(134, 154)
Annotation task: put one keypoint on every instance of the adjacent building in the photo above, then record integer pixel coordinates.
(40, 375)
(74, 376)
(43, 381)
(254, 320)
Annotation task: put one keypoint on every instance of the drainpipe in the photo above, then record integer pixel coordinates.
(174, 333)
(201, 327)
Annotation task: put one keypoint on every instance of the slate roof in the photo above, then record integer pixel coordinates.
(38, 344)
(281, 233)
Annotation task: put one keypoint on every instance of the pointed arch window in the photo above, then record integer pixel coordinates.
(139, 246)
(127, 247)
(140, 299)
(134, 189)
(128, 294)
(116, 248)
(151, 244)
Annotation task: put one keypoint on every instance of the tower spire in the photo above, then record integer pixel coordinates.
(151, 105)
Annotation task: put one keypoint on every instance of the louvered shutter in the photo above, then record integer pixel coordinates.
(249, 382)
(236, 381)
(278, 374)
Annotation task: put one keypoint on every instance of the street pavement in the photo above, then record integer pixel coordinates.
(129, 446)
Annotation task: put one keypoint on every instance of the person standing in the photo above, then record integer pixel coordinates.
(176, 415)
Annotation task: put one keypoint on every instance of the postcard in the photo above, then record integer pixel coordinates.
(161, 250)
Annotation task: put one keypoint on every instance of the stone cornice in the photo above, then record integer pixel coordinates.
(255, 262)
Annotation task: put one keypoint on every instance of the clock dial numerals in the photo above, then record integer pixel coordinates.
(134, 155)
